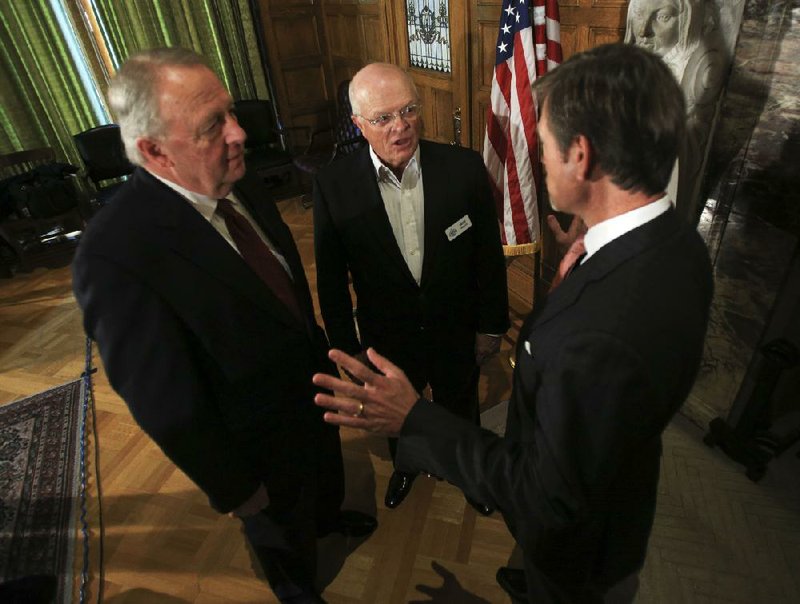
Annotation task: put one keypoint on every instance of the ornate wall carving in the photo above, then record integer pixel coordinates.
(695, 38)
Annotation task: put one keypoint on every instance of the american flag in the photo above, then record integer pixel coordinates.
(528, 45)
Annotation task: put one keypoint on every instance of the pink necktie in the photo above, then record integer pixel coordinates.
(575, 252)
(259, 257)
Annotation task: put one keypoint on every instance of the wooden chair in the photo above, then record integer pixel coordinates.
(46, 225)
(20, 162)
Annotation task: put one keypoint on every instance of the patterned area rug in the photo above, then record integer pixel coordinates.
(39, 481)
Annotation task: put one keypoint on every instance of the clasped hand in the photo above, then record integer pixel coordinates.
(387, 397)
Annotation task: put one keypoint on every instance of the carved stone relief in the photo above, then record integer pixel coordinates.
(695, 38)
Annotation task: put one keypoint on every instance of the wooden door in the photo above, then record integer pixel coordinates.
(443, 95)
(589, 23)
(297, 53)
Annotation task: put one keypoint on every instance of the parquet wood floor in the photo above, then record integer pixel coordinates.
(717, 536)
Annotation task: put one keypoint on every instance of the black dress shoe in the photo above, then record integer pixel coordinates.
(482, 509)
(350, 523)
(289, 576)
(399, 486)
(513, 582)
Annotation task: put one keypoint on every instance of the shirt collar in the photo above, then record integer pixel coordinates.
(202, 203)
(605, 232)
(383, 172)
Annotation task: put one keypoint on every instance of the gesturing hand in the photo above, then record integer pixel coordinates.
(563, 238)
(380, 403)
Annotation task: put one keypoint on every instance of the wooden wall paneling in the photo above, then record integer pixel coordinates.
(357, 35)
(589, 23)
(376, 38)
(297, 51)
(437, 113)
(603, 35)
(484, 23)
(569, 39)
(344, 38)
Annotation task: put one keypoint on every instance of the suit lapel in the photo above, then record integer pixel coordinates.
(369, 203)
(608, 259)
(190, 236)
(435, 191)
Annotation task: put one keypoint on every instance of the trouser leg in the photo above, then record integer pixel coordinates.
(330, 478)
(286, 550)
(459, 395)
(283, 535)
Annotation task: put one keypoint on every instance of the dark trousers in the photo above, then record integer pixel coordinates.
(304, 475)
(459, 396)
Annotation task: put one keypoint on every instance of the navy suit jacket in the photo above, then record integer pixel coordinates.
(209, 361)
(601, 369)
(463, 285)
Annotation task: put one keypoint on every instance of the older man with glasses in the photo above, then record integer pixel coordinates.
(412, 224)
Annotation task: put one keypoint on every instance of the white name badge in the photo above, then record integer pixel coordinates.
(458, 227)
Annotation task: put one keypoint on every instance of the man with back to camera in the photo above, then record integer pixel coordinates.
(413, 222)
(602, 365)
(193, 288)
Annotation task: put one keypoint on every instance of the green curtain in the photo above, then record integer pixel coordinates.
(43, 101)
(220, 30)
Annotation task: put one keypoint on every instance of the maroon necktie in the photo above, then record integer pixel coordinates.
(259, 257)
(574, 254)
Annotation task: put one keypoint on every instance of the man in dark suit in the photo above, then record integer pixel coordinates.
(193, 288)
(413, 223)
(604, 362)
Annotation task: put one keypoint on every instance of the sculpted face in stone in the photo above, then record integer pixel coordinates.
(654, 24)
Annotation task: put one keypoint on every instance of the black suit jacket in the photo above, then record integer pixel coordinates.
(463, 285)
(601, 369)
(209, 361)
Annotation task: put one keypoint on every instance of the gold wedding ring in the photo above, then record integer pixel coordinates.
(360, 411)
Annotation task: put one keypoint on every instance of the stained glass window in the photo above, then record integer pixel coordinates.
(429, 34)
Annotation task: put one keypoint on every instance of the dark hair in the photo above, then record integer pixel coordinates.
(626, 102)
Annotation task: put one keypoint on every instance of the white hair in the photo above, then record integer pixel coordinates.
(134, 94)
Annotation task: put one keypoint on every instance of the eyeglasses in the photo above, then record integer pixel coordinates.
(408, 113)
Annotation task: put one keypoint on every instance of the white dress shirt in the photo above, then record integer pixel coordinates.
(605, 232)
(404, 202)
(207, 206)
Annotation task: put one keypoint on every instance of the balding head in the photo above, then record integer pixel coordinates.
(386, 109)
(372, 78)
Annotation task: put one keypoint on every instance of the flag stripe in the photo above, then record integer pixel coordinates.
(528, 44)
